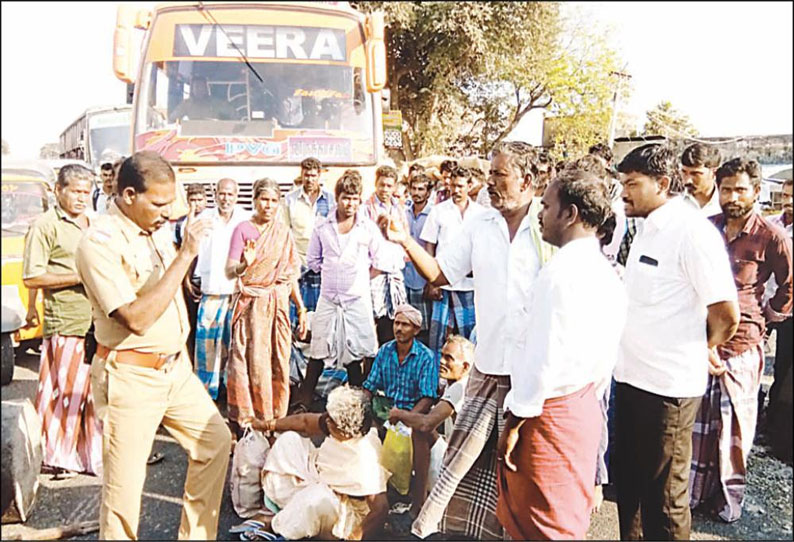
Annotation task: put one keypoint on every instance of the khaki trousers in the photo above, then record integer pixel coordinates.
(132, 402)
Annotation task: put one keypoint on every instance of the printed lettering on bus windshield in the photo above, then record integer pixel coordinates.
(260, 41)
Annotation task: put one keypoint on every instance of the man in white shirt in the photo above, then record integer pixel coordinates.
(699, 163)
(682, 304)
(453, 305)
(498, 247)
(214, 319)
(553, 423)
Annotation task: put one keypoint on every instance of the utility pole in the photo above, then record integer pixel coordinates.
(615, 105)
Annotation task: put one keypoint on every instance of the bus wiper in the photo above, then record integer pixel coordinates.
(206, 13)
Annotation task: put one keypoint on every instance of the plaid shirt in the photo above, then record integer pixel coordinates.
(407, 382)
(759, 252)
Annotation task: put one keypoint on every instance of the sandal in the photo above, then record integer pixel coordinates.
(247, 525)
(64, 474)
(259, 534)
(156, 457)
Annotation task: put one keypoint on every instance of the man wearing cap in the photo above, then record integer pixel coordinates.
(405, 369)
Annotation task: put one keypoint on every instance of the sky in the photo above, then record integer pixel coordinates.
(726, 65)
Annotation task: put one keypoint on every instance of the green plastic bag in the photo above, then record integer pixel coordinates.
(397, 456)
(381, 405)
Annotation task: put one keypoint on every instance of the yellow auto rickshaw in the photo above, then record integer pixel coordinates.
(26, 194)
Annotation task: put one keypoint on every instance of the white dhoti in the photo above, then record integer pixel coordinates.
(316, 491)
(343, 333)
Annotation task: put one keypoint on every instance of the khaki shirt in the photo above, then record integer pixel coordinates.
(117, 261)
(50, 246)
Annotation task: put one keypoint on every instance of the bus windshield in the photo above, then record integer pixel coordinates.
(221, 111)
(113, 139)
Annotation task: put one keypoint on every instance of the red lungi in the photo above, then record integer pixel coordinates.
(549, 497)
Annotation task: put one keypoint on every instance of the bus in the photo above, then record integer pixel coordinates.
(275, 83)
(100, 133)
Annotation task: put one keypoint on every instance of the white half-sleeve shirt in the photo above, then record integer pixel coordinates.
(677, 266)
(573, 331)
(214, 251)
(504, 272)
(443, 224)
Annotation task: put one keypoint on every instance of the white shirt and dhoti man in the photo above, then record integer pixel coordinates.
(572, 334)
(213, 320)
(504, 272)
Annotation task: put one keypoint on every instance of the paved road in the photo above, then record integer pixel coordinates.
(64, 502)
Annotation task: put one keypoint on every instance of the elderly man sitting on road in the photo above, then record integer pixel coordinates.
(313, 491)
(457, 357)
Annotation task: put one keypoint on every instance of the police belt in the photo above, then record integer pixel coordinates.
(149, 360)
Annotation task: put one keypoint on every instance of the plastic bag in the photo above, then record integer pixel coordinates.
(397, 456)
(247, 462)
(436, 461)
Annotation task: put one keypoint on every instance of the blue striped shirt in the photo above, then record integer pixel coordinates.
(407, 382)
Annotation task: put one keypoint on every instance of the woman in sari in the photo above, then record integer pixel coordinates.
(263, 257)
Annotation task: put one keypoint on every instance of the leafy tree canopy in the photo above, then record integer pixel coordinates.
(666, 121)
(464, 74)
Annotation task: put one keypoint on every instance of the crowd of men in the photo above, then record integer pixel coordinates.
(553, 328)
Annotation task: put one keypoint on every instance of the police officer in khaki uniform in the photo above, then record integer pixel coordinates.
(141, 374)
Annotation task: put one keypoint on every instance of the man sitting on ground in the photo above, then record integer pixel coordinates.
(315, 492)
(457, 357)
(404, 368)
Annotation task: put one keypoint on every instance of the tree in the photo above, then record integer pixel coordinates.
(584, 87)
(464, 74)
(6, 148)
(666, 121)
(49, 151)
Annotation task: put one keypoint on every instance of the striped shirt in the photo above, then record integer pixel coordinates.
(407, 382)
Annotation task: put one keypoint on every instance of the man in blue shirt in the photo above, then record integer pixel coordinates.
(415, 284)
(405, 369)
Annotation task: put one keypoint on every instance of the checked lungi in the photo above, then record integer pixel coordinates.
(213, 337)
(309, 285)
(416, 298)
(70, 427)
(388, 293)
(454, 310)
(463, 500)
(723, 435)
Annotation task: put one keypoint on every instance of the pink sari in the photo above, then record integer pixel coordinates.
(258, 370)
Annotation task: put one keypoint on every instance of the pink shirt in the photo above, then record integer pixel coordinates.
(245, 231)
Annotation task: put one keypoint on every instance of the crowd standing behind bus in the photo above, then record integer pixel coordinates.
(545, 329)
